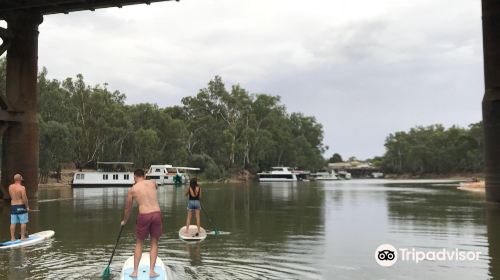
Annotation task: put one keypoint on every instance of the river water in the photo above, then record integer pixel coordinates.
(304, 230)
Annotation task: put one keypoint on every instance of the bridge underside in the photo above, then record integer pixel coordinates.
(45, 7)
(18, 107)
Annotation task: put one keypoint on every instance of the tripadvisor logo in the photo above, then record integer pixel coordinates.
(386, 255)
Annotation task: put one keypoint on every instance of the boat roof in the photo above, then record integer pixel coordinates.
(114, 162)
(186, 168)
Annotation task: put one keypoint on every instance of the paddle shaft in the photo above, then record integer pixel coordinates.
(208, 217)
(116, 245)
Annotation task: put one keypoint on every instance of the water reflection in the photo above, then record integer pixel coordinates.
(194, 251)
(493, 226)
(18, 264)
(315, 230)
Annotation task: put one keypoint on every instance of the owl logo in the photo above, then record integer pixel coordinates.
(386, 255)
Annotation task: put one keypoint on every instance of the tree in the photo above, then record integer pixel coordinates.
(335, 158)
(56, 146)
(435, 149)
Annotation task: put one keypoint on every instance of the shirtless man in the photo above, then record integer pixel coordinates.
(18, 207)
(148, 220)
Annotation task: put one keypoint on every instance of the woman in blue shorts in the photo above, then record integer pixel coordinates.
(194, 194)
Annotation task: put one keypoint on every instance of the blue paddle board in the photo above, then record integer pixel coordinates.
(143, 271)
(32, 239)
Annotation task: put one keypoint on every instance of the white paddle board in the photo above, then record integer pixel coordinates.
(191, 234)
(32, 239)
(143, 271)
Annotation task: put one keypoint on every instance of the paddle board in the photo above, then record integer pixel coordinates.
(143, 271)
(33, 238)
(191, 235)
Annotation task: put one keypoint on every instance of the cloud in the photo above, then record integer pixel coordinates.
(363, 68)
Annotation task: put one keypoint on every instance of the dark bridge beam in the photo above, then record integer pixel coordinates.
(46, 7)
(491, 100)
(18, 109)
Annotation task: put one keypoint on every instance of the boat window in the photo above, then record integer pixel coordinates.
(157, 170)
(105, 176)
(126, 176)
(78, 176)
(115, 176)
(82, 176)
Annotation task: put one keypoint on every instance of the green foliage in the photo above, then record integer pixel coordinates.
(335, 158)
(434, 149)
(240, 130)
(217, 129)
(56, 145)
(208, 167)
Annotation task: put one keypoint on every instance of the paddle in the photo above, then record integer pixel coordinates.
(106, 273)
(209, 220)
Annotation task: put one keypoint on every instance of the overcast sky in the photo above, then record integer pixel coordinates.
(363, 68)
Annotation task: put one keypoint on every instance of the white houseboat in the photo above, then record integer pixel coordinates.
(108, 174)
(302, 175)
(166, 174)
(344, 175)
(278, 174)
(325, 176)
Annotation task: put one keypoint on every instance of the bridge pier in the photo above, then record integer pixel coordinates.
(491, 100)
(18, 108)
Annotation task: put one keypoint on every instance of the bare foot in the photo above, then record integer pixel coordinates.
(133, 274)
(153, 274)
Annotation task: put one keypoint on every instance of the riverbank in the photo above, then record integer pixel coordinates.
(67, 176)
(454, 176)
(473, 186)
(243, 176)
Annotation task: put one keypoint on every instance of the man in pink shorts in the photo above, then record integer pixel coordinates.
(148, 220)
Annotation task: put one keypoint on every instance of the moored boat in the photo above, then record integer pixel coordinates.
(344, 175)
(325, 176)
(166, 174)
(108, 174)
(277, 174)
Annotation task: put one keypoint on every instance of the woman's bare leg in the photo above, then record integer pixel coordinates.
(188, 221)
(198, 219)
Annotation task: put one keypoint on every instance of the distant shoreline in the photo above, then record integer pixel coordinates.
(246, 176)
(452, 176)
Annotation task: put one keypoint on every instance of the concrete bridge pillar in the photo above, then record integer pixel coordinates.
(491, 100)
(18, 115)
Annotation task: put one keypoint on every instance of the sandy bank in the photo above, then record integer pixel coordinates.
(473, 186)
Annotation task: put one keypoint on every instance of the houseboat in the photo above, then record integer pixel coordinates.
(108, 174)
(278, 174)
(166, 174)
(325, 176)
(302, 175)
(344, 175)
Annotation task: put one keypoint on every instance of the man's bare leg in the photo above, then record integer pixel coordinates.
(198, 219)
(152, 257)
(137, 256)
(188, 221)
(23, 231)
(12, 232)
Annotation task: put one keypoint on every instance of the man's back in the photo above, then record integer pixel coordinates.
(16, 192)
(144, 193)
